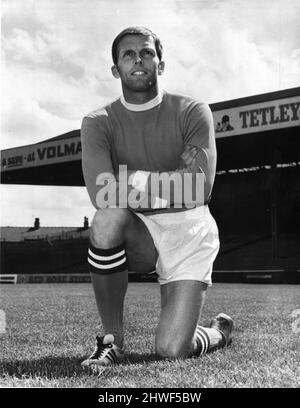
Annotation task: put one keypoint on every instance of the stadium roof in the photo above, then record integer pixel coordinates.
(251, 131)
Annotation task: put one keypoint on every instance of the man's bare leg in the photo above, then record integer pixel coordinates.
(181, 306)
(178, 334)
(110, 228)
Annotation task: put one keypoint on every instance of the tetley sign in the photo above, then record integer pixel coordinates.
(258, 117)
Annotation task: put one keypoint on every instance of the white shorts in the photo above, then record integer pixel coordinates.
(187, 243)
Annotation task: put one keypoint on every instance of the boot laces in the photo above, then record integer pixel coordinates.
(100, 349)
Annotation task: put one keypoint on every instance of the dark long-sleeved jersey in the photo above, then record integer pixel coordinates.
(151, 140)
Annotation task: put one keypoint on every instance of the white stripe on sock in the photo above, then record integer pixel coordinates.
(204, 340)
(101, 266)
(106, 258)
(199, 337)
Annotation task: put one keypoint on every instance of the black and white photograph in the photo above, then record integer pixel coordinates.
(150, 198)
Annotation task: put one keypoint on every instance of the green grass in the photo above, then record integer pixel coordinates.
(51, 328)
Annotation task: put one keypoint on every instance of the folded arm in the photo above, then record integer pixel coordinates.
(186, 186)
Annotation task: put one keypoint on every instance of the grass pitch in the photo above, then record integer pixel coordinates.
(51, 328)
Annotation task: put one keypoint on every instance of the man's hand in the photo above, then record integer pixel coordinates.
(188, 158)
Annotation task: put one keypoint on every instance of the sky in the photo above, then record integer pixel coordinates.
(56, 60)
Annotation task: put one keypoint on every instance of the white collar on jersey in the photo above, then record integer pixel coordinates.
(143, 106)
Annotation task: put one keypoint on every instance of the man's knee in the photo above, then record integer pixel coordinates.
(172, 348)
(108, 225)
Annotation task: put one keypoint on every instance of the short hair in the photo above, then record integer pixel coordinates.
(136, 31)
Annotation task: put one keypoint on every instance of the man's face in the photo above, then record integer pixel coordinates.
(138, 64)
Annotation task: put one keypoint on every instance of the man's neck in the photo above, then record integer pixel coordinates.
(139, 107)
(139, 98)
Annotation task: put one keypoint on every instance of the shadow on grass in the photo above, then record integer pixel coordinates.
(57, 367)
